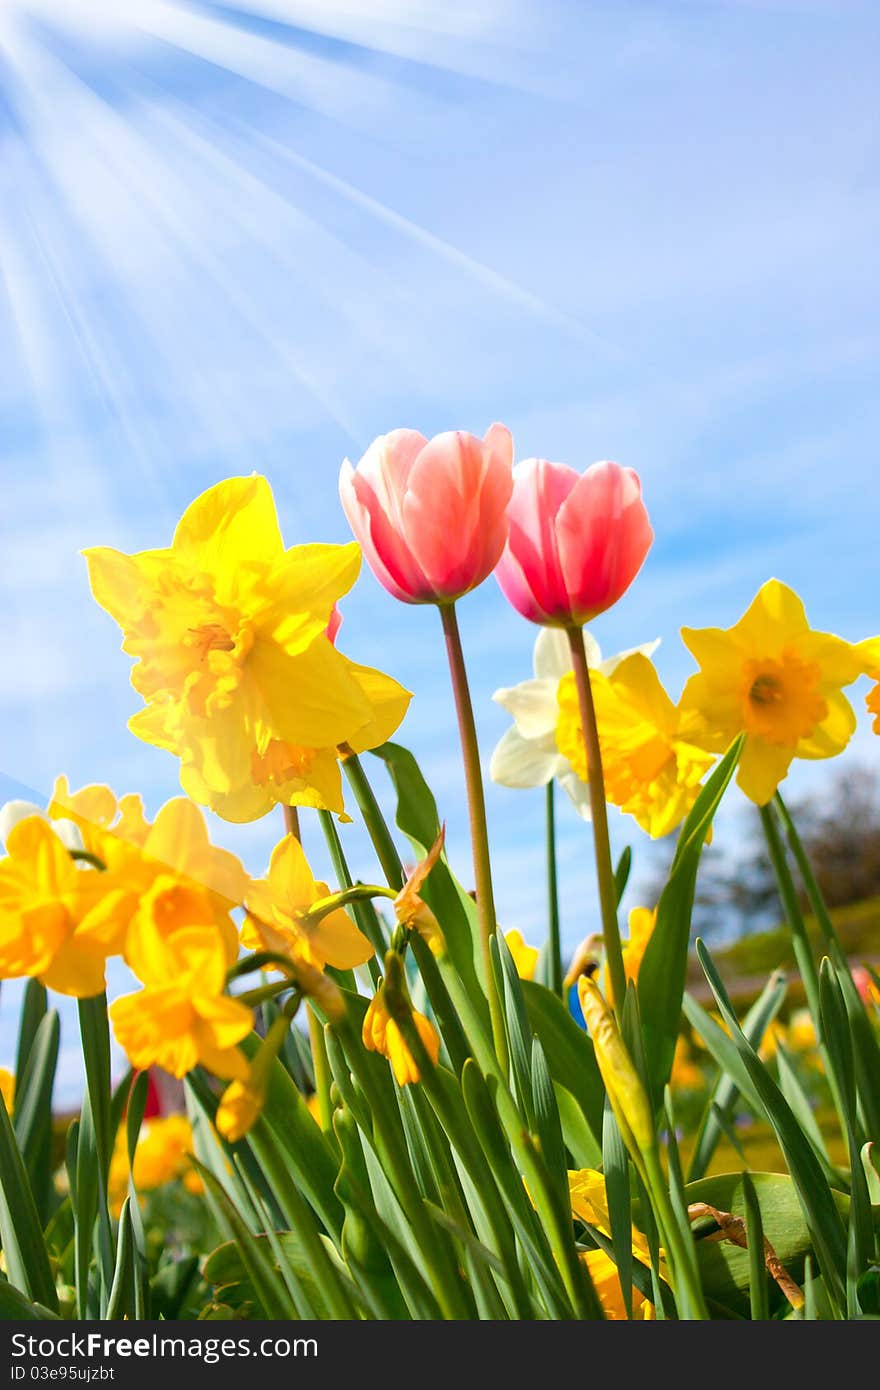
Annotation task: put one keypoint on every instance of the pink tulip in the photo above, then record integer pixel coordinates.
(576, 541)
(430, 516)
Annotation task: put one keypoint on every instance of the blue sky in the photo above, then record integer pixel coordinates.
(253, 237)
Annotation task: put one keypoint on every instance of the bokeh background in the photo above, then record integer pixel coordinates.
(253, 236)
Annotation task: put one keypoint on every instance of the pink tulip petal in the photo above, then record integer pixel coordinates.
(603, 534)
(454, 510)
(385, 552)
(540, 490)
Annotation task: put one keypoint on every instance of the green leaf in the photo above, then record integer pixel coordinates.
(725, 1269)
(15, 1307)
(569, 1054)
(33, 1011)
(254, 1254)
(622, 872)
(123, 1300)
(615, 1167)
(516, 1022)
(722, 1099)
(417, 817)
(33, 1110)
(307, 1150)
(759, 1302)
(663, 970)
(822, 1216)
(24, 1248)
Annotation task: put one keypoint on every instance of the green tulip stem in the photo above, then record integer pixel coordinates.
(598, 810)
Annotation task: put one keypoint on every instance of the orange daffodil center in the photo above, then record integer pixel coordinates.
(774, 679)
(781, 700)
(239, 677)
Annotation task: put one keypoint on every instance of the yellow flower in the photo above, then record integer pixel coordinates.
(802, 1031)
(7, 1088)
(58, 922)
(651, 771)
(278, 917)
(642, 921)
(590, 1203)
(776, 1033)
(162, 1155)
(773, 678)
(685, 1074)
(870, 652)
(240, 679)
(240, 1105)
(381, 1034)
(159, 869)
(525, 957)
(182, 1017)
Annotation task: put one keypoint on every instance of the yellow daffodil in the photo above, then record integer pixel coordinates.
(162, 1155)
(776, 1033)
(528, 754)
(642, 921)
(240, 1105)
(161, 870)
(278, 915)
(685, 1074)
(589, 1202)
(651, 771)
(58, 922)
(381, 1034)
(525, 957)
(7, 1088)
(240, 679)
(870, 653)
(773, 678)
(802, 1031)
(182, 1017)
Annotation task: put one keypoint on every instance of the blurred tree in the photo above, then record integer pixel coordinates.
(840, 828)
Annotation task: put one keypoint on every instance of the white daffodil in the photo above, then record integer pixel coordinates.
(13, 811)
(527, 755)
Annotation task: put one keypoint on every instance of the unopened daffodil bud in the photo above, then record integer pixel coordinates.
(410, 908)
(239, 1108)
(382, 1032)
(244, 1098)
(622, 1082)
(585, 959)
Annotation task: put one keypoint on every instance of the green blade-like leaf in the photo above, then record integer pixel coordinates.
(823, 1219)
(615, 1167)
(569, 1054)
(123, 1299)
(33, 1110)
(725, 1091)
(418, 819)
(663, 970)
(33, 1011)
(24, 1248)
(255, 1255)
(758, 1301)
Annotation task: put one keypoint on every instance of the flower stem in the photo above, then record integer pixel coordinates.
(602, 844)
(555, 948)
(477, 813)
(374, 820)
(321, 1067)
(291, 822)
